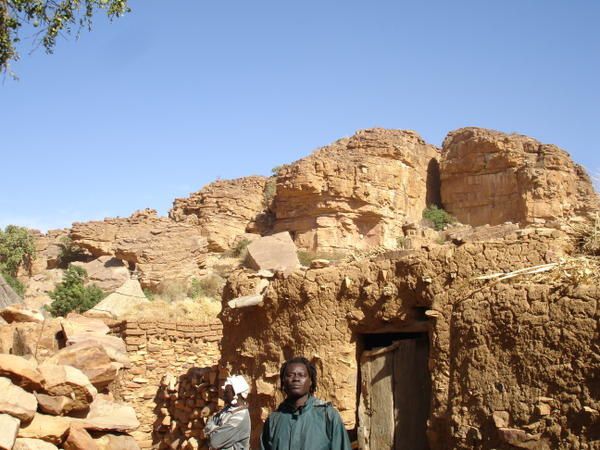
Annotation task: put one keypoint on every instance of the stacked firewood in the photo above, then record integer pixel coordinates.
(184, 404)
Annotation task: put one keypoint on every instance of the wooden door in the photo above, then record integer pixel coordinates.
(395, 395)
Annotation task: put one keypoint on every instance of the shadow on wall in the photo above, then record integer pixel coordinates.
(433, 184)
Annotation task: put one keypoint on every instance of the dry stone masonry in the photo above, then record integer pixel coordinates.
(165, 349)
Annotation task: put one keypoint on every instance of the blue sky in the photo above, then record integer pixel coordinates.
(178, 93)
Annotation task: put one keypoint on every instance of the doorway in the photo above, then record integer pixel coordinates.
(395, 392)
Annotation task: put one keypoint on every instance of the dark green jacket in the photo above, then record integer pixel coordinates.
(315, 426)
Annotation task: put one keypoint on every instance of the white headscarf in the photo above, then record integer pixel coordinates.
(239, 385)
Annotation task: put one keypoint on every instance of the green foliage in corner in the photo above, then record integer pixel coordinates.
(50, 19)
(16, 248)
(72, 295)
(438, 217)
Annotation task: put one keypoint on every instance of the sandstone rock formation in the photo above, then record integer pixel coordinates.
(106, 272)
(275, 252)
(358, 191)
(489, 177)
(159, 248)
(225, 209)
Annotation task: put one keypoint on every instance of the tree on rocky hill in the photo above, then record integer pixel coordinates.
(17, 249)
(50, 18)
(73, 295)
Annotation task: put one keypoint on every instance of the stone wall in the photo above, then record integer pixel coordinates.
(158, 349)
(523, 352)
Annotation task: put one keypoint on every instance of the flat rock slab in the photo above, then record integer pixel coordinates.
(106, 415)
(116, 442)
(21, 371)
(275, 253)
(16, 401)
(9, 427)
(75, 324)
(33, 444)
(114, 347)
(20, 313)
(54, 405)
(93, 361)
(70, 382)
(47, 428)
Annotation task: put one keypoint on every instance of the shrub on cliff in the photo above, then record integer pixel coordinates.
(16, 249)
(72, 295)
(438, 217)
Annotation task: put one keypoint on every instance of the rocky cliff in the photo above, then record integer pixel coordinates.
(158, 248)
(489, 177)
(225, 209)
(358, 191)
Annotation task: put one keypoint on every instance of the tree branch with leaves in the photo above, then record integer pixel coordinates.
(50, 18)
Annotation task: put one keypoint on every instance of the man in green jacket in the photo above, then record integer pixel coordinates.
(302, 421)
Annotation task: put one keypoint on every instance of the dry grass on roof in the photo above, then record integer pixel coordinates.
(186, 309)
(574, 270)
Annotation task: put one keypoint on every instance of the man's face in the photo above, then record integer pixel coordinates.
(228, 394)
(296, 380)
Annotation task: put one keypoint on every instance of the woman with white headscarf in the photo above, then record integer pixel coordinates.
(229, 429)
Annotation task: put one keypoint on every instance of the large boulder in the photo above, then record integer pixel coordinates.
(69, 382)
(54, 405)
(357, 192)
(76, 324)
(489, 177)
(20, 371)
(106, 272)
(79, 439)
(16, 401)
(33, 340)
(92, 360)
(276, 252)
(87, 331)
(47, 428)
(9, 427)
(21, 313)
(107, 415)
(159, 248)
(224, 209)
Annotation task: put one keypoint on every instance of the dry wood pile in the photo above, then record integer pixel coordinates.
(184, 404)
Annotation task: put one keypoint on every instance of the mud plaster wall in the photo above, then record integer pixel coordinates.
(157, 349)
(481, 338)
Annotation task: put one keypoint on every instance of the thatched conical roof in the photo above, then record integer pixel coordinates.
(125, 299)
